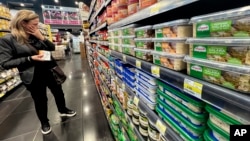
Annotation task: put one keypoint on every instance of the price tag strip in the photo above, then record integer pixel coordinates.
(136, 100)
(155, 70)
(138, 64)
(193, 88)
(124, 58)
(155, 9)
(161, 127)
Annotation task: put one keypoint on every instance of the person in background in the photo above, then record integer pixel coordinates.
(20, 49)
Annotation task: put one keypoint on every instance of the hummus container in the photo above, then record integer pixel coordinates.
(146, 3)
(221, 120)
(117, 40)
(151, 97)
(143, 54)
(227, 50)
(228, 23)
(148, 102)
(171, 45)
(145, 32)
(185, 135)
(144, 43)
(128, 40)
(195, 130)
(117, 32)
(128, 49)
(194, 118)
(133, 6)
(153, 133)
(111, 40)
(226, 75)
(190, 102)
(129, 30)
(218, 133)
(172, 29)
(170, 61)
(208, 136)
(151, 89)
(146, 77)
(118, 47)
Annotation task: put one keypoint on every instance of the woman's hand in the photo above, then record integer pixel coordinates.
(35, 32)
(37, 57)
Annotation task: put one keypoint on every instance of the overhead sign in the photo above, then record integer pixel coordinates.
(61, 15)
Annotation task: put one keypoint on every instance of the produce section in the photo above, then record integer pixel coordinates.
(174, 77)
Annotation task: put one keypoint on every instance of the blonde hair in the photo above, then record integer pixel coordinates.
(16, 27)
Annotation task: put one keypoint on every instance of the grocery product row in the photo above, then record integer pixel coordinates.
(4, 20)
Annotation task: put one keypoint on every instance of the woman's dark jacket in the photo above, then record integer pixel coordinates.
(15, 55)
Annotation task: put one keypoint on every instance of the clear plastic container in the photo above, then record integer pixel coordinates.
(117, 47)
(171, 45)
(228, 23)
(128, 40)
(145, 32)
(147, 86)
(150, 96)
(128, 49)
(145, 43)
(218, 133)
(230, 76)
(146, 77)
(129, 30)
(144, 54)
(145, 99)
(177, 28)
(228, 50)
(170, 61)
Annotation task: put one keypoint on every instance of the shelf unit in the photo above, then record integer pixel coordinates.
(5, 18)
(97, 13)
(98, 28)
(230, 101)
(4, 30)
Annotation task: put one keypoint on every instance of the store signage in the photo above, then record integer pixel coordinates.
(61, 15)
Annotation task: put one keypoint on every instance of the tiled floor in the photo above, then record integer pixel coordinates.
(18, 121)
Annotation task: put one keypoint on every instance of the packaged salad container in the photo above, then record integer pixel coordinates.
(128, 40)
(228, 23)
(144, 43)
(172, 29)
(144, 54)
(226, 75)
(170, 61)
(145, 32)
(129, 30)
(217, 132)
(234, 51)
(128, 49)
(171, 45)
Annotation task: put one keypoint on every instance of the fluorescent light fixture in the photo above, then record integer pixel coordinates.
(61, 8)
(76, 2)
(42, 6)
(21, 4)
(56, 1)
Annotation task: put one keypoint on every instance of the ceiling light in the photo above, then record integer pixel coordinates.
(56, 1)
(21, 4)
(61, 8)
(42, 6)
(76, 2)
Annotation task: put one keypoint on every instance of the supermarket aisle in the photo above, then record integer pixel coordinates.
(18, 121)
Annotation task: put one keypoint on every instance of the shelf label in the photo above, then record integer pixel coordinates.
(155, 70)
(193, 88)
(155, 9)
(136, 100)
(138, 64)
(123, 86)
(124, 58)
(161, 127)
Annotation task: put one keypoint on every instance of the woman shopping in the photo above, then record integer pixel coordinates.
(27, 49)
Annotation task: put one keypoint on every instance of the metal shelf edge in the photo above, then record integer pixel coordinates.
(98, 28)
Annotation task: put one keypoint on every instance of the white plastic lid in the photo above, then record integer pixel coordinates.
(143, 28)
(143, 39)
(125, 37)
(142, 50)
(169, 39)
(168, 55)
(227, 14)
(220, 41)
(172, 23)
(219, 65)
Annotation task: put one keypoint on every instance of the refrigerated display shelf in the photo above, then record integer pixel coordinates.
(91, 8)
(105, 43)
(5, 18)
(4, 30)
(103, 57)
(9, 89)
(97, 13)
(98, 28)
(159, 7)
(232, 102)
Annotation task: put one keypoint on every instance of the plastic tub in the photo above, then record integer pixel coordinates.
(221, 120)
(129, 30)
(146, 77)
(153, 133)
(228, 23)
(190, 102)
(172, 29)
(117, 40)
(170, 61)
(218, 133)
(194, 118)
(133, 6)
(150, 103)
(230, 76)
(145, 32)
(175, 126)
(208, 136)
(151, 97)
(145, 43)
(228, 50)
(146, 3)
(171, 45)
(144, 54)
(123, 11)
(148, 87)
(117, 47)
(195, 130)
(128, 49)
(128, 40)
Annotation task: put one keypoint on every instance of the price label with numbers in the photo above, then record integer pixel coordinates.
(138, 64)
(136, 100)
(155, 70)
(155, 9)
(193, 88)
(124, 58)
(161, 127)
